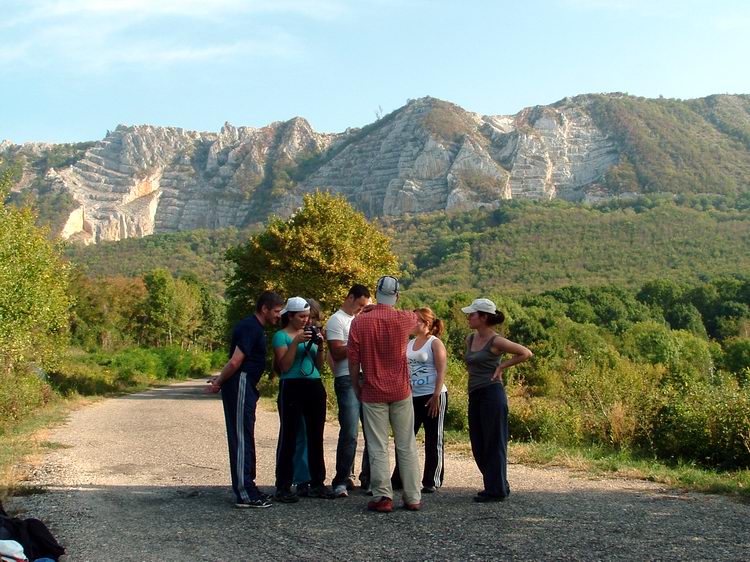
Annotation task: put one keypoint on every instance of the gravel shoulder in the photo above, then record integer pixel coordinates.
(146, 477)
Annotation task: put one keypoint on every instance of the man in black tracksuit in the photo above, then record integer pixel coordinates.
(238, 382)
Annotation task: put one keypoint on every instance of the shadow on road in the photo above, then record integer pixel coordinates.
(192, 390)
(200, 523)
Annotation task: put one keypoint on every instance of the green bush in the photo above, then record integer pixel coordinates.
(138, 364)
(541, 419)
(709, 424)
(613, 404)
(456, 379)
(737, 358)
(82, 375)
(218, 358)
(21, 393)
(181, 364)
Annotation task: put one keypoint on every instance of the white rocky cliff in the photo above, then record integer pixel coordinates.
(429, 155)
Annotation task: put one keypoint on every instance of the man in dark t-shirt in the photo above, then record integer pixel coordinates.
(238, 383)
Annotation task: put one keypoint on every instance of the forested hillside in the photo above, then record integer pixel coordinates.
(199, 252)
(521, 247)
(530, 247)
(676, 146)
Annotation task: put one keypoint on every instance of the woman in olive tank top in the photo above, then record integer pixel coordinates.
(488, 403)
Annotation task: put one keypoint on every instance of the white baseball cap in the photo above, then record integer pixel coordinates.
(295, 304)
(480, 305)
(386, 290)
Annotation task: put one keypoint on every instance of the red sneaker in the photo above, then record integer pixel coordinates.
(383, 505)
(413, 506)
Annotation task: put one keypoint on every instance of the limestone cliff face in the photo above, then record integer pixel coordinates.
(429, 155)
(432, 155)
(140, 180)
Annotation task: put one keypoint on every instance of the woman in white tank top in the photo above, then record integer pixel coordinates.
(427, 363)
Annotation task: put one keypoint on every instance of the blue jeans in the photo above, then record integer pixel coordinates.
(301, 468)
(350, 412)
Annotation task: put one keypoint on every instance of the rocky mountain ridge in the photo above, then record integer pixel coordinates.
(429, 155)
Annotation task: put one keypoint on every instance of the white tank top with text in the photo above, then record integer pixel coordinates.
(422, 368)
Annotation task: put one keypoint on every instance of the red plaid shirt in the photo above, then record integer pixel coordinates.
(377, 341)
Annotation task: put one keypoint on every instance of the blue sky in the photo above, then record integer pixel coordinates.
(71, 69)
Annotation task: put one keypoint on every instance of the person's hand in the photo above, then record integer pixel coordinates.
(368, 308)
(498, 376)
(214, 386)
(433, 406)
(302, 336)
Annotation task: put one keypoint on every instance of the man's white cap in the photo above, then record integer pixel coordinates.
(481, 305)
(295, 304)
(386, 291)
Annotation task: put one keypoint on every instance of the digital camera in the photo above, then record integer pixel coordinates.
(315, 336)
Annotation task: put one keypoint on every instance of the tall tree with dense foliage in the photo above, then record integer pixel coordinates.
(33, 307)
(319, 252)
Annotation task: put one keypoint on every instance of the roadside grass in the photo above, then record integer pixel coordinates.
(22, 443)
(599, 461)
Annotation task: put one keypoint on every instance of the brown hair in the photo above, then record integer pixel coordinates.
(434, 324)
(492, 319)
(315, 312)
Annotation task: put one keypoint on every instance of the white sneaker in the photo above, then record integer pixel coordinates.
(340, 491)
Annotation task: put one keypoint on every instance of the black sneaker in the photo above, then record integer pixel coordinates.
(285, 496)
(321, 492)
(258, 503)
(264, 496)
(428, 489)
(349, 485)
(484, 497)
(303, 490)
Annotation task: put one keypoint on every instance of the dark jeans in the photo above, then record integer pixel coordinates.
(350, 413)
(434, 449)
(239, 398)
(298, 399)
(488, 430)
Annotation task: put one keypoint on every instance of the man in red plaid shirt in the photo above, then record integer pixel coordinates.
(377, 347)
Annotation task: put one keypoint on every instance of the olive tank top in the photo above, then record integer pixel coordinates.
(481, 365)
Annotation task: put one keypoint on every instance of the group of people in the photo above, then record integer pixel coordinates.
(389, 368)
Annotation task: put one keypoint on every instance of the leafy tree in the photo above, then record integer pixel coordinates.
(661, 293)
(684, 316)
(160, 307)
(33, 309)
(107, 313)
(211, 333)
(737, 358)
(33, 284)
(319, 252)
(187, 312)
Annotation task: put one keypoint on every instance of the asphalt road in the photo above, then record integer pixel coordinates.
(145, 477)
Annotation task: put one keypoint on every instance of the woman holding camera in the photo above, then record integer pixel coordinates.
(298, 353)
(488, 403)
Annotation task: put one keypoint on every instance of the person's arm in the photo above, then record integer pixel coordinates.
(319, 356)
(441, 362)
(518, 353)
(338, 349)
(354, 361)
(336, 342)
(231, 367)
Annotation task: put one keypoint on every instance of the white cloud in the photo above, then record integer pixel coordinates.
(97, 34)
(40, 10)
